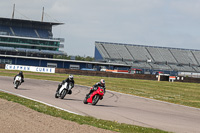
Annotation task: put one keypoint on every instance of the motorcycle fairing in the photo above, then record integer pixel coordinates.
(99, 91)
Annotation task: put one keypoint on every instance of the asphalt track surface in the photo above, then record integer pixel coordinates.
(115, 106)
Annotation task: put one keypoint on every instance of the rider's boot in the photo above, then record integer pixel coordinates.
(70, 92)
(59, 86)
(57, 89)
(89, 93)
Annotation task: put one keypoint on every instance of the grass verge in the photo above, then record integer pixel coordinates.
(109, 125)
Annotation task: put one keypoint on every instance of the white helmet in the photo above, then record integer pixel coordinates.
(71, 77)
(102, 81)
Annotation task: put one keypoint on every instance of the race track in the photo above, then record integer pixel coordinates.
(115, 106)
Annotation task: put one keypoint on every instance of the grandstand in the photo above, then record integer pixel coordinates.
(149, 58)
(28, 38)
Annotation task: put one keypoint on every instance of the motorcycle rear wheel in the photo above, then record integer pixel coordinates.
(56, 95)
(85, 101)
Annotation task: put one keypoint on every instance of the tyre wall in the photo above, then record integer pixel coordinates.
(2, 65)
(106, 74)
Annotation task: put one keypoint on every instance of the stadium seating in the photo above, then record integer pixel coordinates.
(102, 51)
(160, 66)
(196, 68)
(112, 52)
(154, 58)
(141, 65)
(51, 52)
(129, 63)
(196, 54)
(7, 48)
(20, 49)
(5, 30)
(123, 52)
(156, 55)
(32, 51)
(166, 55)
(118, 62)
(43, 33)
(182, 68)
(139, 53)
(184, 56)
(26, 32)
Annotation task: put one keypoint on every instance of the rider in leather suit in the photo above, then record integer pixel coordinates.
(68, 80)
(21, 75)
(98, 84)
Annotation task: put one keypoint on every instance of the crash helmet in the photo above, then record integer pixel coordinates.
(102, 81)
(71, 77)
(20, 73)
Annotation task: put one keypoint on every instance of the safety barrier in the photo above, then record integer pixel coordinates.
(119, 75)
(106, 74)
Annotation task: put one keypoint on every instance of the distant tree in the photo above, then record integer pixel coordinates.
(79, 58)
(87, 58)
(62, 57)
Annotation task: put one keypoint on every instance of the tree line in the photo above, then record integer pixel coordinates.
(68, 57)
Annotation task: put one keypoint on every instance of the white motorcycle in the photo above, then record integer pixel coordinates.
(63, 90)
(17, 82)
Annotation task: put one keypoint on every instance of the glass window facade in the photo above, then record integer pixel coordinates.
(5, 61)
(29, 43)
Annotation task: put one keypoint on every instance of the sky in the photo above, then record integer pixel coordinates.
(164, 23)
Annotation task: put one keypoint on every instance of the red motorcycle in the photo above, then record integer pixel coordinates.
(94, 97)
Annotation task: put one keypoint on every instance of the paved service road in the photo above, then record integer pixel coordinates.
(115, 106)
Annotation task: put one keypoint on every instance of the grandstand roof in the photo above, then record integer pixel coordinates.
(30, 22)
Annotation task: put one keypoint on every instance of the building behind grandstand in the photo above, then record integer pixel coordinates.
(149, 58)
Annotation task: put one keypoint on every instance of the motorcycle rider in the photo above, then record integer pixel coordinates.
(98, 84)
(68, 80)
(21, 75)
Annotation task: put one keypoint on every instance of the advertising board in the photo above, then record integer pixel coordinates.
(30, 68)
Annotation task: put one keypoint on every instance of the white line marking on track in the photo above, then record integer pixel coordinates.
(40, 102)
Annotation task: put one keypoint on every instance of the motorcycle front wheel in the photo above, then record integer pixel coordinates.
(16, 85)
(56, 95)
(63, 93)
(95, 99)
